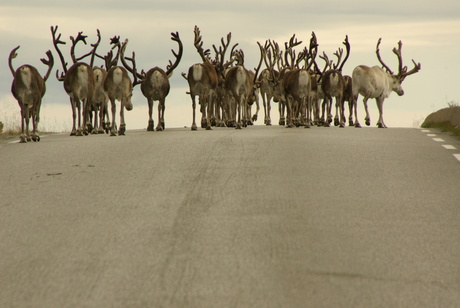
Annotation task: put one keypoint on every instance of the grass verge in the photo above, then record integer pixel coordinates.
(445, 127)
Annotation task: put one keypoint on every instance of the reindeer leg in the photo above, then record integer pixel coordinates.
(86, 112)
(194, 127)
(341, 111)
(73, 132)
(337, 107)
(380, 123)
(151, 122)
(122, 129)
(35, 120)
(268, 120)
(160, 125)
(256, 115)
(100, 129)
(264, 102)
(350, 115)
(22, 137)
(208, 108)
(355, 106)
(79, 129)
(113, 129)
(367, 118)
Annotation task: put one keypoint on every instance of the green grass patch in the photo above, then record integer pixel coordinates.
(445, 127)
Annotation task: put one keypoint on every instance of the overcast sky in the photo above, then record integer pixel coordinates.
(429, 30)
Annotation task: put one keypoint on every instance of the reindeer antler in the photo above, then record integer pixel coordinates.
(138, 78)
(290, 52)
(57, 41)
(402, 70)
(220, 53)
(175, 37)
(82, 38)
(48, 62)
(347, 48)
(204, 54)
(12, 55)
(380, 59)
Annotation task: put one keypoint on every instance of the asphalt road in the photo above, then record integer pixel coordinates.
(259, 217)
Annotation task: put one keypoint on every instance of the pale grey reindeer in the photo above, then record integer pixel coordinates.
(374, 82)
(28, 88)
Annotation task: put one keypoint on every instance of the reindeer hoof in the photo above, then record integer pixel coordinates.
(368, 122)
(150, 126)
(357, 125)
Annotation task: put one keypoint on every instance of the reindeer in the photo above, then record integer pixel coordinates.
(28, 88)
(119, 87)
(297, 83)
(100, 101)
(78, 81)
(267, 88)
(333, 85)
(348, 97)
(203, 80)
(241, 85)
(155, 83)
(374, 82)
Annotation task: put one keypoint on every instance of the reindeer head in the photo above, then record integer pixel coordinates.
(402, 70)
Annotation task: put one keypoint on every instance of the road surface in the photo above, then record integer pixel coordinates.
(259, 217)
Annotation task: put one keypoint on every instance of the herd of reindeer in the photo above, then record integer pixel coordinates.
(226, 88)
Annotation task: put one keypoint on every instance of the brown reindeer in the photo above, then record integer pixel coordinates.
(155, 83)
(242, 85)
(28, 88)
(374, 82)
(78, 81)
(203, 80)
(333, 85)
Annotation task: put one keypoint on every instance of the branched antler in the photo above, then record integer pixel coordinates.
(48, 62)
(198, 42)
(138, 77)
(169, 69)
(380, 59)
(56, 42)
(402, 70)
